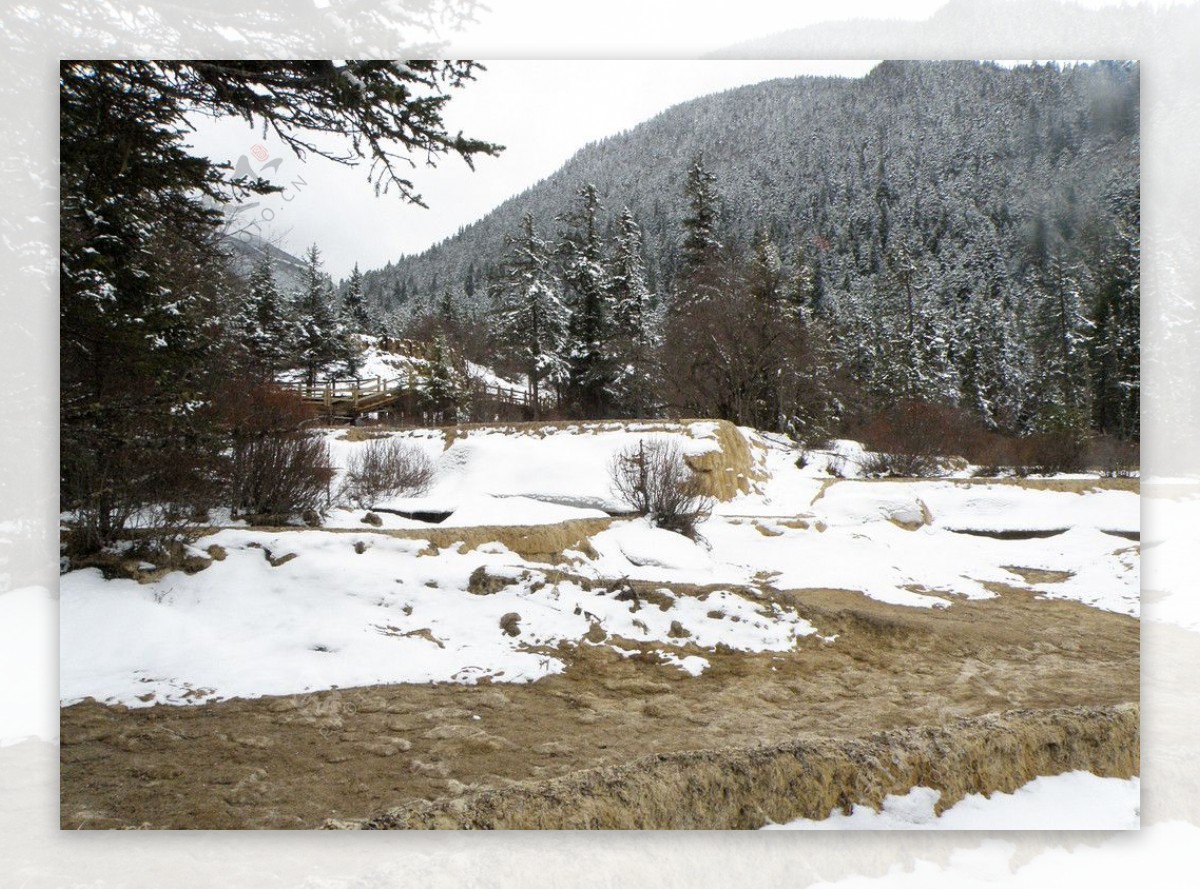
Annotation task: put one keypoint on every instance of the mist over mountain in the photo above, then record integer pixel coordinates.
(245, 248)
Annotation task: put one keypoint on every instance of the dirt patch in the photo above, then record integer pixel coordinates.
(747, 788)
(363, 434)
(537, 543)
(729, 471)
(296, 761)
(1040, 576)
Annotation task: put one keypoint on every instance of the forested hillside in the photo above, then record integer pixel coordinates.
(953, 233)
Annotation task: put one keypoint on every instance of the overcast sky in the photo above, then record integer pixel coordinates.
(542, 111)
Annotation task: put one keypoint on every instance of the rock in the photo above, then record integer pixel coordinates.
(446, 713)
(453, 731)
(493, 698)
(909, 516)
(386, 747)
(510, 623)
(436, 770)
(482, 582)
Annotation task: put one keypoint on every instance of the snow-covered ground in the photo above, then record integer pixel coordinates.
(286, 612)
(1081, 800)
(566, 465)
(354, 606)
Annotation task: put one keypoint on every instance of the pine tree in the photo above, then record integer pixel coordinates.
(447, 311)
(146, 292)
(1062, 332)
(637, 333)
(444, 388)
(354, 309)
(530, 316)
(700, 242)
(469, 282)
(143, 291)
(322, 342)
(590, 370)
(1115, 346)
(910, 334)
(766, 271)
(262, 325)
(992, 362)
(803, 291)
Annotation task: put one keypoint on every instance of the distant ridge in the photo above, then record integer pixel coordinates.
(941, 153)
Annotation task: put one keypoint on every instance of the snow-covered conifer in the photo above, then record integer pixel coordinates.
(354, 308)
(530, 318)
(637, 326)
(590, 370)
(261, 324)
(323, 346)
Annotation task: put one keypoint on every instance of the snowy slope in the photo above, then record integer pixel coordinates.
(285, 612)
(565, 465)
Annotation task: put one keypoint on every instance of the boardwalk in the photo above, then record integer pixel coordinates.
(356, 397)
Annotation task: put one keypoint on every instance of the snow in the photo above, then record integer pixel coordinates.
(325, 615)
(886, 562)
(852, 540)
(644, 545)
(567, 465)
(1081, 800)
(329, 615)
(488, 510)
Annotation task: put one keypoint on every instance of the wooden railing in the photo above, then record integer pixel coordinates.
(507, 395)
(360, 395)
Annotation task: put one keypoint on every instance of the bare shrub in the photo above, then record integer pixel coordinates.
(1059, 451)
(277, 475)
(276, 468)
(384, 468)
(836, 466)
(914, 438)
(1113, 457)
(653, 478)
(907, 439)
(160, 496)
(883, 463)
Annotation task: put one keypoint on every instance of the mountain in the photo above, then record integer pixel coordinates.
(943, 155)
(246, 248)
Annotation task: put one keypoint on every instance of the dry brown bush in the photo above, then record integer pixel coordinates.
(1113, 457)
(277, 469)
(653, 478)
(1050, 452)
(385, 468)
(887, 463)
(911, 438)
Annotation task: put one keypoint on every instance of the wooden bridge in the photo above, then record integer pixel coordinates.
(355, 397)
